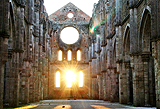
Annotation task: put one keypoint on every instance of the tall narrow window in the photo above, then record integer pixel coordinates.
(57, 79)
(80, 79)
(78, 55)
(69, 55)
(60, 55)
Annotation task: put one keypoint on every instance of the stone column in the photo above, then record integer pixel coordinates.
(103, 70)
(90, 80)
(4, 35)
(14, 81)
(7, 84)
(32, 89)
(155, 36)
(3, 60)
(103, 62)
(98, 67)
(99, 77)
(24, 94)
(37, 50)
(129, 83)
(156, 55)
(104, 85)
(145, 59)
(40, 80)
(35, 71)
(120, 65)
(94, 75)
(94, 80)
(114, 85)
(136, 64)
(1, 84)
(123, 84)
(138, 81)
(90, 69)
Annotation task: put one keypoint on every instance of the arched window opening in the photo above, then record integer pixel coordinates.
(70, 15)
(69, 55)
(78, 55)
(57, 79)
(80, 79)
(70, 78)
(60, 55)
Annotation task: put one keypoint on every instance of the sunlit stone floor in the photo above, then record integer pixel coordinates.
(79, 104)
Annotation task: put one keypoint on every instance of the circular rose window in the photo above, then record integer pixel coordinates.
(70, 15)
(69, 35)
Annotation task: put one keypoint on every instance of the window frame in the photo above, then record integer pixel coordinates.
(81, 85)
(70, 55)
(59, 79)
(59, 55)
(79, 54)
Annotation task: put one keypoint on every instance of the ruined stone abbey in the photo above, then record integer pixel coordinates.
(115, 58)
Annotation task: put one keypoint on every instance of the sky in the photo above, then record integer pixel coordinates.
(85, 5)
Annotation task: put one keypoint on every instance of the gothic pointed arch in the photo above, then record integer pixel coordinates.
(145, 32)
(127, 63)
(145, 48)
(58, 78)
(60, 55)
(114, 54)
(69, 55)
(79, 55)
(8, 70)
(11, 28)
(126, 43)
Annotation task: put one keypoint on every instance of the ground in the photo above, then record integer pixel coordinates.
(80, 104)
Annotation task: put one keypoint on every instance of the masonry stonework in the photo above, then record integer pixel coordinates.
(119, 45)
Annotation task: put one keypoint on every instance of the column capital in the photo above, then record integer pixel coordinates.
(146, 56)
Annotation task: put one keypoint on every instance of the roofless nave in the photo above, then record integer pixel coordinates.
(114, 57)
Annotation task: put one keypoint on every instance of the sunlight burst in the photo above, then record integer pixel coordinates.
(70, 77)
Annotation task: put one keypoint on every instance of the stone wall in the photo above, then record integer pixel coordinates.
(79, 21)
(130, 63)
(120, 46)
(25, 52)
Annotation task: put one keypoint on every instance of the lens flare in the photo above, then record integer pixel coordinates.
(92, 30)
